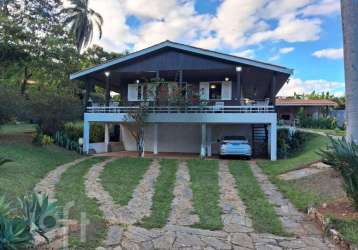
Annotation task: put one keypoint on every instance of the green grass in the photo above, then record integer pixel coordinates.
(307, 155)
(17, 128)
(264, 217)
(336, 132)
(205, 187)
(30, 164)
(71, 188)
(163, 195)
(301, 200)
(348, 228)
(121, 177)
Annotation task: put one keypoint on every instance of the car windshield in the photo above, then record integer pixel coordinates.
(234, 138)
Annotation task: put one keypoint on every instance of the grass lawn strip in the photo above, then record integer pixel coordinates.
(71, 188)
(29, 165)
(301, 200)
(163, 195)
(121, 177)
(205, 187)
(348, 228)
(264, 217)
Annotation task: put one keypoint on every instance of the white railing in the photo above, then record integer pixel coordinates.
(190, 109)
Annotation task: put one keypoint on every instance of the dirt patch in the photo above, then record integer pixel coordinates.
(340, 209)
(17, 138)
(327, 185)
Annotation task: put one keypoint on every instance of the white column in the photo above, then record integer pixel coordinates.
(209, 140)
(155, 139)
(106, 136)
(203, 141)
(273, 140)
(86, 136)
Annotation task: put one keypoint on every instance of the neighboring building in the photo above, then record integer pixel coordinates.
(237, 97)
(288, 108)
(341, 117)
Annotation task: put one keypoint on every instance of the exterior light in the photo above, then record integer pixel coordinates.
(107, 73)
(227, 79)
(137, 81)
(213, 86)
(238, 68)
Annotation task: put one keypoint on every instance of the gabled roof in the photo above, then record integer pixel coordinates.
(303, 102)
(186, 48)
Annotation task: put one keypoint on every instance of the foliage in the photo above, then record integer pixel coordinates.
(39, 214)
(51, 110)
(343, 156)
(5, 209)
(320, 122)
(14, 233)
(12, 105)
(36, 216)
(289, 141)
(81, 19)
(47, 140)
(341, 101)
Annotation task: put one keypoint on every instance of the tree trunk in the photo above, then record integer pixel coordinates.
(350, 40)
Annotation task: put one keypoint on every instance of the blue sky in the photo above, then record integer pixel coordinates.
(301, 34)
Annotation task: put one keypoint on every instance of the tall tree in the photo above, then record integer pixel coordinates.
(82, 20)
(349, 10)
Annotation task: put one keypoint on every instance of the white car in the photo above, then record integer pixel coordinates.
(235, 145)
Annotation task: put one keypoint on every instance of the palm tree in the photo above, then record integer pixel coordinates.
(82, 19)
(349, 10)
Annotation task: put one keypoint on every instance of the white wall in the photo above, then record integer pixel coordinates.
(182, 138)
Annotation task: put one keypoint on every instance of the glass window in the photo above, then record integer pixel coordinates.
(215, 91)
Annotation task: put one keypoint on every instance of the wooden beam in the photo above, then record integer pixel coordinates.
(108, 91)
(273, 89)
(238, 84)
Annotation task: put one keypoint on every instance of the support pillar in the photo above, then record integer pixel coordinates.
(86, 136)
(273, 141)
(209, 141)
(203, 141)
(106, 136)
(108, 91)
(155, 142)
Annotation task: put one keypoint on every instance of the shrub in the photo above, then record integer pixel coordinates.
(46, 140)
(12, 105)
(343, 156)
(289, 141)
(320, 122)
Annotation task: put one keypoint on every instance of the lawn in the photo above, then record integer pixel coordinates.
(30, 164)
(348, 228)
(163, 195)
(264, 217)
(121, 177)
(205, 187)
(17, 128)
(71, 188)
(335, 132)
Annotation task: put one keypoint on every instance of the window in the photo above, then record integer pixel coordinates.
(285, 117)
(215, 91)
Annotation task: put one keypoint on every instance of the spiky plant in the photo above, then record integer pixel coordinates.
(343, 156)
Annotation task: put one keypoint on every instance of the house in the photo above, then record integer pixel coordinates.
(288, 109)
(236, 97)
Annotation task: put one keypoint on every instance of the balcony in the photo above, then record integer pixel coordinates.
(187, 110)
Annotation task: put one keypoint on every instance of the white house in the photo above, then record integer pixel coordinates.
(224, 95)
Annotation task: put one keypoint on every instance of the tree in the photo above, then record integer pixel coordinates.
(82, 20)
(349, 10)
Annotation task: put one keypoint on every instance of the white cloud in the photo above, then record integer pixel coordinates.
(324, 7)
(286, 50)
(249, 53)
(329, 53)
(296, 85)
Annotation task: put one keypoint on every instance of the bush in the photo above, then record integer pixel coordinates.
(320, 122)
(289, 141)
(343, 156)
(52, 110)
(12, 105)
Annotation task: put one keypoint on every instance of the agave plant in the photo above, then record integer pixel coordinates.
(14, 234)
(40, 215)
(5, 208)
(343, 156)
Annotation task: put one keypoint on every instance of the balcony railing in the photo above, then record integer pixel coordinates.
(190, 109)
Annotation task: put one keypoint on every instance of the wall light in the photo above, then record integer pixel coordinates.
(213, 86)
(107, 73)
(227, 79)
(238, 68)
(137, 81)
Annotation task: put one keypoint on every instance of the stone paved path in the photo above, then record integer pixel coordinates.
(293, 221)
(48, 184)
(237, 233)
(182, 210)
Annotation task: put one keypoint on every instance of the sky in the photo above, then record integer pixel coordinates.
(304, 35)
